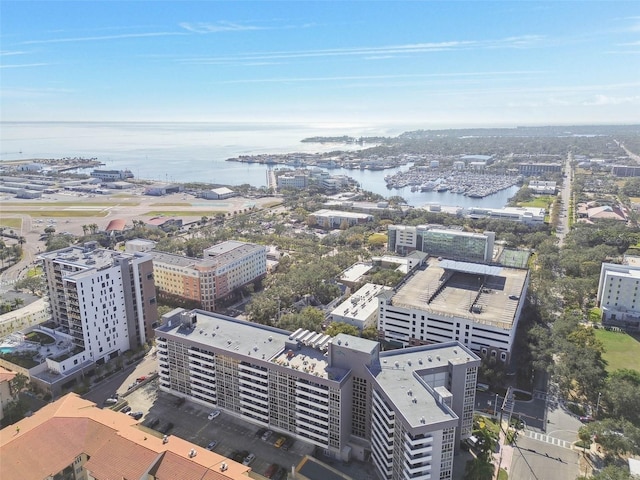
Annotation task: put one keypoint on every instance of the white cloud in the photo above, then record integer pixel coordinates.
(103, 37)
(389, 51)
(8, 53)
(205, 27)
(25, 65)
(609, 100)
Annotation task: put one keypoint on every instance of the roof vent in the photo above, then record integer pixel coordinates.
(223, 467)
(270, 338)
(420, 361)
(409, 362)
(410, 392)
(430, 359)
(192, 453)
(422, 420)
(414, 400)
(397, 364)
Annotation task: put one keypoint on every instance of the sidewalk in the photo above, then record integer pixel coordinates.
(503, 457)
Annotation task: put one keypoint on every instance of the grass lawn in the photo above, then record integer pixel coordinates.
(63, 213)
(11, 222)
(621, 350)
(538, 202)
(77, 203)
(171, 204)
(194, 213)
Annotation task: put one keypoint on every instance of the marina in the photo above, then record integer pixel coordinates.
(470, 184)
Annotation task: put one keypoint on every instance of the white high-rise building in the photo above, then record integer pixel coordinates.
(105, 299)
(618, 295)
(406, 410)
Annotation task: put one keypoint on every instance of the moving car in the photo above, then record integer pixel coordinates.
(212, 445)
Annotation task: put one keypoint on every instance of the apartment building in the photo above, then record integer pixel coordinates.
(475, 304)
(618, 295)
(104, 299)
(72, 438)
(438, 241)
(224, 268)
(406, 410)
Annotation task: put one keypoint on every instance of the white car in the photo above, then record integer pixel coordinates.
(213, 414)
(248, 459)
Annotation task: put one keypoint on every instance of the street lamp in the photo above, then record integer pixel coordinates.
(598, 404)
(495, 407)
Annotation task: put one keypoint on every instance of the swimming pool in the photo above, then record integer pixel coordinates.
(7, 349)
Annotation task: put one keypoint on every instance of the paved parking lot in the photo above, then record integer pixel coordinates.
(232, 434)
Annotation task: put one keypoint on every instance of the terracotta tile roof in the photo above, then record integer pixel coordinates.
(116, 224)
(6, 375)
(57, 434)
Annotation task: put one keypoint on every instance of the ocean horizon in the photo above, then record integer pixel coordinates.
(197, 152)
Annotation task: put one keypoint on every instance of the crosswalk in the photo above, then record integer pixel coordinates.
(547, 439)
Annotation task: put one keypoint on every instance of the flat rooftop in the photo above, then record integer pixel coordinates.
(83, 257)
(402, 377)
(480, 293)
(362, 304)
(261, 342)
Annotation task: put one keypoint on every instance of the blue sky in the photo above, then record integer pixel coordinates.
(415, 64)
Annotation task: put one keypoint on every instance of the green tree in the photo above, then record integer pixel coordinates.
(19, 382)
(338, 327)
(621, 396)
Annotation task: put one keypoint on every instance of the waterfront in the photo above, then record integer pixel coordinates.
(196, 152)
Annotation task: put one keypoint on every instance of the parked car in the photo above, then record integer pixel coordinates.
(136, 415)
(266, 435)
(586, 419)
(248, 459)
(271, 470)
(126, 409)
(214, 414)
(111, 401)
(212, 445)
(279, 442)
(287, 444)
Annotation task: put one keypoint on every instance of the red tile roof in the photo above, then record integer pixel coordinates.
(55, 436)
(117, 224)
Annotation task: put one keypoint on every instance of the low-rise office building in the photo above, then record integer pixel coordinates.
(439, 241)
(338, 219)
(405, 409)
(475, 304)
(361, 308)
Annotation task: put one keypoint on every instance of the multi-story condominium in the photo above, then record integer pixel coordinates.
(618, 295)
(224, 268)
(72, 438)
(337, 219)
(105, 299)
(437, 241)
(405, 409)
(538, 168)
(475, 304)
(293, 180)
